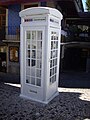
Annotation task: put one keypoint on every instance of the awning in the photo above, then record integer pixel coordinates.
(9, 2)
(83, 18)
(69, 8)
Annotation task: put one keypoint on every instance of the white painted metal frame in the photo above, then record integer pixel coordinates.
(48, 21)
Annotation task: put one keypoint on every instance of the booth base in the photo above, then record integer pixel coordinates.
(44, 102)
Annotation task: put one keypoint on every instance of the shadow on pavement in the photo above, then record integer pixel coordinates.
(9, 78)
(74, 79)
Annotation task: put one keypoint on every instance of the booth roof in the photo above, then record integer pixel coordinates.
(40, 11)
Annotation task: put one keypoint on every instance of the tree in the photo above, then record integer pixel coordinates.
(88, 4)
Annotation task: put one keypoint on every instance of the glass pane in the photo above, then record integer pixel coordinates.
(32, 71)
(28, 53)
(51, 54)
(50, 72)
(28, 62)
(55, 62)
(55, 69)
(33, 45)
(39, 54)
(57, 37)
(50, 63)
(50, 80)
(33, 53)
(56, 53)
(51, 44)
(56, 44)
(27, 71)
(53, 79)
(38, 73)
(38, 81)
(39, 64)
(33, 35)
(52, 37)
(32, 80)
(27, 79)
(39, 45)
(39, 35)
(33, 62)
(28, 35)
(28, 46)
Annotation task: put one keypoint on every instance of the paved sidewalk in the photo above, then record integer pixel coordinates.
(71, 104)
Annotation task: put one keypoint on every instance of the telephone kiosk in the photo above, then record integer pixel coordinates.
(40, 53)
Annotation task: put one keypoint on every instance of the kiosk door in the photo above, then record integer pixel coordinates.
(34, 38)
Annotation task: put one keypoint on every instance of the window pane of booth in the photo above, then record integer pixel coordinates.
(38, 83)
(39, 45)
(28, 35)
(28, 45)
(53, 56)
(32, 80)
(33, 35)
(27, 79)
(39, 54)
(33, 44)
(38, 73)
(33, 53)
(28, 62)
(39, 65)
(39, 35)
(33, 62)
(28, 53)
(28, 71)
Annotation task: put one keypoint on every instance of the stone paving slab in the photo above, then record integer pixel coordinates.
(71, 104)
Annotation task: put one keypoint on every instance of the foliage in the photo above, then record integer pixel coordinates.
(73, 33)
(88, 4)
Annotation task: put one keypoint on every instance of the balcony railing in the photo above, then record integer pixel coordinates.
(73, 35)
(10, 34)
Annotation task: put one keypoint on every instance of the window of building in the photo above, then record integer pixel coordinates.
(14, 54)
(2, 17)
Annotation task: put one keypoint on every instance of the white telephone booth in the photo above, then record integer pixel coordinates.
(40, 52)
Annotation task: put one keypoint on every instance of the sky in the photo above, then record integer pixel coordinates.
(84, 4)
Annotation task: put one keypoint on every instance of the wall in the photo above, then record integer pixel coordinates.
(13, 22)
(13, 18)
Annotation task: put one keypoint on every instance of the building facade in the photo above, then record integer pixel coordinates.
(10, 24)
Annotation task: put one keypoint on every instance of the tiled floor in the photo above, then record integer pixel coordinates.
(71, 104)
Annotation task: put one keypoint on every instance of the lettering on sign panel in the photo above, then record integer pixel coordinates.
(34, 19)
(33, 91)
